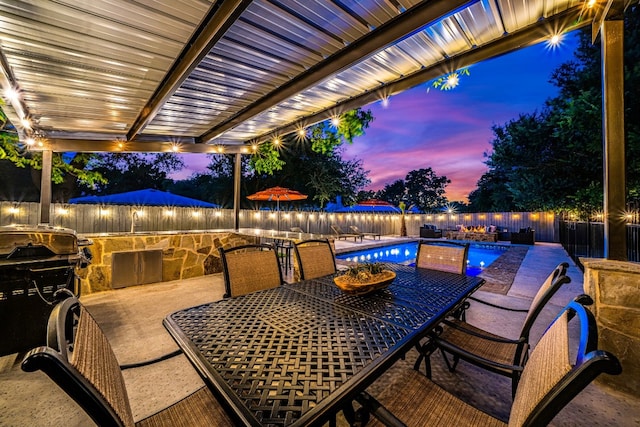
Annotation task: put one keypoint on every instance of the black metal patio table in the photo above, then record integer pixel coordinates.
(297, 354)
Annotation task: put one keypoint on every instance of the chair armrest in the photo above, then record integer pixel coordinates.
(477, 334)
(464, 354)
(517, 310)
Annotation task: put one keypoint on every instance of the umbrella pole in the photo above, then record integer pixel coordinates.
(278, 213)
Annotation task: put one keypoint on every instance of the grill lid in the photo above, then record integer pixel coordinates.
(37, 241)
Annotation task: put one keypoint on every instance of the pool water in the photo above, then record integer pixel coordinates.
(480, 255)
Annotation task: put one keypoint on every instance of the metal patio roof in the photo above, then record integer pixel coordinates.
(217, 76)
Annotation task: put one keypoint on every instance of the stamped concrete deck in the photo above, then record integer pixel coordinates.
(132, 319)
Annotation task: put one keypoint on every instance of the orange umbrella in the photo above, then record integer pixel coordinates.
(277, 194)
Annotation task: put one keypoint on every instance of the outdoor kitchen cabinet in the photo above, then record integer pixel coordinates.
(129, 268)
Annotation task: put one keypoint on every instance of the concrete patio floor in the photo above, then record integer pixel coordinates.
(132, 319)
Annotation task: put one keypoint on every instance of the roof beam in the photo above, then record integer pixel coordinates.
(220, 17)
(92, 146)
(510, 42)
(613, 9)
(396, 29)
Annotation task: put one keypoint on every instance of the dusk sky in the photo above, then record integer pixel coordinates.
(449, 131)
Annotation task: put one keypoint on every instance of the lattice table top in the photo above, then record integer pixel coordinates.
(287, 356)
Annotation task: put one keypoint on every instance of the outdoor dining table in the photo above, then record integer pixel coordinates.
(299, 353)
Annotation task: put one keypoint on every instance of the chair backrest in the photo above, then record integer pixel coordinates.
(549, 381)
(296, 230)
(557, 278)
(79, 358)
(355, 229)
(315, 258)
(337, 229)
(250, 268)
(443, 256)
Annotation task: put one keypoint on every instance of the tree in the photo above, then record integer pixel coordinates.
(325, 137)
(425, 190)
(66, 168)
(553, 159)
(393, 193)
(134, 171)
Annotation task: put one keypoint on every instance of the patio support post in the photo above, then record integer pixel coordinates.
(45, 187)
(612, 42)
(237, 174)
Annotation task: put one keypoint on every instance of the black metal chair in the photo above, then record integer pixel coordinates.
(250, 268)
(79, 359)
(315, 258)
(549, 381)
(504, 356)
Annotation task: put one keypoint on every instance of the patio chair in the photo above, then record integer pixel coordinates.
(80, 360)
(296, 230)
(504, 356)
(371, 234)
(250, 268)
(549, 381)
(315, 258)
(340, 234)
(444, 256)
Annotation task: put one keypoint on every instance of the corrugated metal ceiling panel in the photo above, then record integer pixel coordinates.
(93, 66)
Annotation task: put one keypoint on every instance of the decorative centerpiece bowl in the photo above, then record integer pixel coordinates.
(364, 278)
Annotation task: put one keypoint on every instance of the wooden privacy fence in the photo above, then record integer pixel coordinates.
(91, 219)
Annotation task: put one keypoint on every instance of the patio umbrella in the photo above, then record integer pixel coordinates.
(277, 194)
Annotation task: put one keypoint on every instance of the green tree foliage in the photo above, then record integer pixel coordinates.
(421, 188)
(134, 171)
(554, 159)
(325, 137)
(68, 167)
(393, 193)
(425, 190)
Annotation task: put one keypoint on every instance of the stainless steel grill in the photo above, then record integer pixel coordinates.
(36, 262)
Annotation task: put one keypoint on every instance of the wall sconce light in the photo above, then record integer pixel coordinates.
(218, 213)
(195, 214)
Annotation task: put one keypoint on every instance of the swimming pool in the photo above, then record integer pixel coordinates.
(480, 255)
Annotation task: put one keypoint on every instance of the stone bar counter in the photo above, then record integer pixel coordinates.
(155, 256)
(615, 289)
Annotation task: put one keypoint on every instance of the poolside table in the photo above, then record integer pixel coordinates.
(297, 354)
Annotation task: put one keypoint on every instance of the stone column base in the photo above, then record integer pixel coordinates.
(615, 289)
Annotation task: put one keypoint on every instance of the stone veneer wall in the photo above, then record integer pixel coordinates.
(615, 289)
(184, 255)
